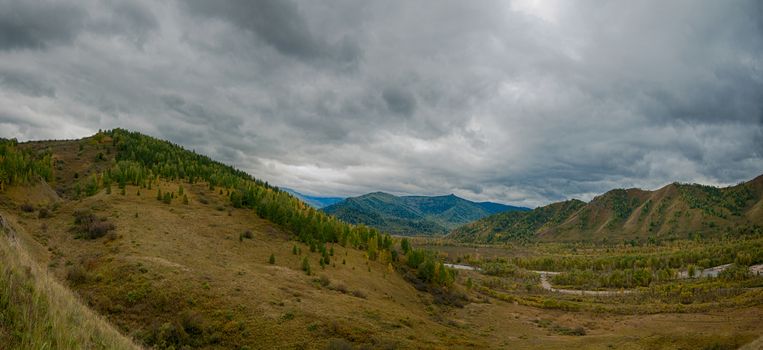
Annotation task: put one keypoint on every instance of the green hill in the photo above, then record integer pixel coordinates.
(411, 215)
(672, 212)
(177, 250)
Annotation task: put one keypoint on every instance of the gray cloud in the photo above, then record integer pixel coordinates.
(31, 24)
(523, 102)
(281, 25)
(25, 83)
(399, 101)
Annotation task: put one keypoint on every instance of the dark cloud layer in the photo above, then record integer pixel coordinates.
(30, 24)
(522, 102)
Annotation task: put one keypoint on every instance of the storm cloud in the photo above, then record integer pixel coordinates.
(523, 102)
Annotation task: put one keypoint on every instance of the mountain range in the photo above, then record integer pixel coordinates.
(672, 212)
(411, 215)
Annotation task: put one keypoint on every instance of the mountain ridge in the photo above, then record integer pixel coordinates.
(671, 212)
(406, 215)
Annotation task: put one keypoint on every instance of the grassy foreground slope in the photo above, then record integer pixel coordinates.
(676, 211)
(414, 215)
(36, 312)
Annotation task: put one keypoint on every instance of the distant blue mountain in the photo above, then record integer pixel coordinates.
(414, 215)
(314, 201)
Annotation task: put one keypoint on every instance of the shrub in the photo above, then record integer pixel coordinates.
(89, 226)
(248, 234)
(340, 288)
(76, 275)
(359, 294)
(306, 265)
(26, 207)
(272, 259)
(43, 213)
(99, 229)
(324, 281)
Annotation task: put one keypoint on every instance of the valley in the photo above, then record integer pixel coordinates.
(164, 248)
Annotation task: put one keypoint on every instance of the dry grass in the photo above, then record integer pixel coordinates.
(187, 274)
(172, 261)
(39, 313)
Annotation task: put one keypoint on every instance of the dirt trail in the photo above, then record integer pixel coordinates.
(547, 286)
(709, 272)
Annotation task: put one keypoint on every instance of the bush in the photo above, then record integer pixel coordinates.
(324, 281)
(89, 226)
(340, 288)
(26, 207)
(43, 213)
(359, 294)
(76, 275)
(248, 234)
(99, 229)
(306, 265)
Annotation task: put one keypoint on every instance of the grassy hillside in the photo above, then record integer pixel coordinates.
(413, 215)
(171, 245)
(675, 211)
(178, 251)
(36, 312)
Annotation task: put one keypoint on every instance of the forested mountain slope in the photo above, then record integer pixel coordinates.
(413, 215)
(672, 212)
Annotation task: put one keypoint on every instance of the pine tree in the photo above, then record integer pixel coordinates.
(306, 266)
(272, 259)
(185, 199)
(405, 246)
(158, 194)
(294, 250)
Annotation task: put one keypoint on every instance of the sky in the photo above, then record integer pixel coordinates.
(522, 102)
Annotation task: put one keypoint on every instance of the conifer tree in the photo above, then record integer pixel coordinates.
(306, 266)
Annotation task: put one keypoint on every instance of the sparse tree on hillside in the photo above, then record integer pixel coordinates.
(405, 245)
(272, 259)
(306, 265)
